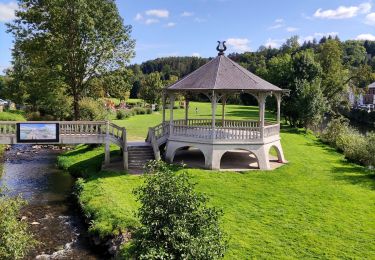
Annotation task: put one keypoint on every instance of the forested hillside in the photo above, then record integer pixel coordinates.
(318, 74)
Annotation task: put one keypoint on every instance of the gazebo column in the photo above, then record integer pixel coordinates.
(171, 100)
(213, 108)
(223, 103)
(278, 99)
(164, 103)
(187, 103)
(262, 108)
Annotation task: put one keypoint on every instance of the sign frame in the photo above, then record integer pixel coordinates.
(55, 140)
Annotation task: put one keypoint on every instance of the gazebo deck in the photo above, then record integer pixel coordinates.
(224, 132)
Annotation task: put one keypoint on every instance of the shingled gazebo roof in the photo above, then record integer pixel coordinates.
(222, 74)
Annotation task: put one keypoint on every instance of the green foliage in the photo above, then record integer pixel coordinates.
(126, 113)
(12, 116)
(91, 109)
(355, 146)
(151, 88)
(60, 46)
(301, 74)
(334, 73)
(15, 239)
(176, 222)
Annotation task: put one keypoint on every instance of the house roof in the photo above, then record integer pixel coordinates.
(221, 73)
(372, 85)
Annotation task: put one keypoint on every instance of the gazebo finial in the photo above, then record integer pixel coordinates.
(221, 48)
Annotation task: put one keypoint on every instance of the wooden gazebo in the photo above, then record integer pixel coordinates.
(218, 79)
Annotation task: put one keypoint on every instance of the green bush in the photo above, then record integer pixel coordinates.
(355, 146)
(91, 109)
(370, 148)
(176, 222)
(148, 111)
(15, 239)
(122, 114)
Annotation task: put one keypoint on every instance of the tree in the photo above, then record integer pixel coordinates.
(334, 74)
(71, 41)
(176, 222)
(151, 88)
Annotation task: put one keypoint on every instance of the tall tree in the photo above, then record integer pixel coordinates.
(334, 73)
(151, 88)
(70, 41)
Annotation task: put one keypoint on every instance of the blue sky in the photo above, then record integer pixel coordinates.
(192, 27)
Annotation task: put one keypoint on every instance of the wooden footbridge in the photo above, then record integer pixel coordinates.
(73, 132)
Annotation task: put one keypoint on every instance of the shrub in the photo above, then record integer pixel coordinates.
(148, 111)
(122, 114)
(91, 109)
(355, 146)
(370, 148)
(15, 239)
(139, 110)
(176, 222)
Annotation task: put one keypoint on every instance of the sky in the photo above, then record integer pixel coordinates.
(192, 27)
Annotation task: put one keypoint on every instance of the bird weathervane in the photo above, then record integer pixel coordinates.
(221, 47)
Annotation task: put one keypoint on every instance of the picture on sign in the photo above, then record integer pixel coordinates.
(37, 132)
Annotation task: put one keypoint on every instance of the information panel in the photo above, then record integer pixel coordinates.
(37, 132)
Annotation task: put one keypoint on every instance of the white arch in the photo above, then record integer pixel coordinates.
(239, 149)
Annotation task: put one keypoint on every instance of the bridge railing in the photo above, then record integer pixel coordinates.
(82, 128)
(8, 128)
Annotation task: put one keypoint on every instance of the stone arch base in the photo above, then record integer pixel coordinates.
(214, 152)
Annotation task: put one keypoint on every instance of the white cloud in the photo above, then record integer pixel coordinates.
(278, 23)
(291, 29)
(138, 17)
(199, 20)
(171, 24)
(151, 21)
(366, 36)
(370, 19)
(187, 14)
(159, 13)
(343, 12)
(7, 11)
(239, 44)
(195, 54)
(273, 43)
(279, 20)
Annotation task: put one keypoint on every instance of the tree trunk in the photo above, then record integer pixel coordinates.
(76, 107)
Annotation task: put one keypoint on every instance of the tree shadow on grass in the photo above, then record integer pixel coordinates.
(89, 167)
(355, 174)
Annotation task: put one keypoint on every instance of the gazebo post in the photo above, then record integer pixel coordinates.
(186, 109)
(278, 98)
(171, 99)
(213, 108)
(262, 108)
(223, 103)
(164, 103)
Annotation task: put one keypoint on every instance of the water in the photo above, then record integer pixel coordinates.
(51, 212)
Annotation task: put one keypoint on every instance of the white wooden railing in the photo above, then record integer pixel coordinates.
(218, 123)
(231, 130)
(271, 130)
(73, 129)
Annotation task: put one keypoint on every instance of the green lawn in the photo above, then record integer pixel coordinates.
(317, 206)
(12, 116)
(137, 126)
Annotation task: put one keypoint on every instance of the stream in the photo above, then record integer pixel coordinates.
(55, 221)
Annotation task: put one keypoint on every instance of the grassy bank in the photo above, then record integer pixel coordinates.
(12, 116)
(317, 206)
